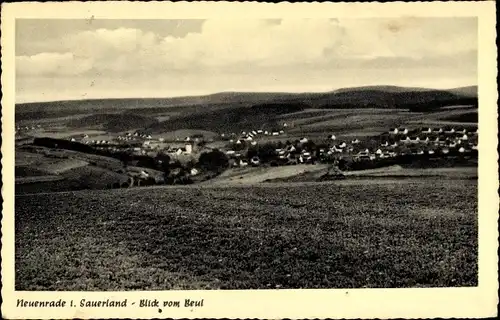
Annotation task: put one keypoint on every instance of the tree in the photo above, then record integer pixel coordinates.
(163, 162)
(267, 152)
(214, 160)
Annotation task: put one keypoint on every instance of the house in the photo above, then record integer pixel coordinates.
(355, 141)
(259, 131)
(424, 139)
(266, 133)
(452, 145)
(231, 140)
(73, 139)
(275, 133)
(405, 139)
(253, 143)
(332, 137)
(249, 138)
(464, 137)
(437, 130)
(462, 130)
(189, 148)
(243, 163)
(285, 125)
(379, 152)
(461, 150)
(402, 130)
(474, 147)
(394, 145)
(449, 130)
(445, 150)
(420, 152)
(291, 148)
(303, 140)
(254, 132)
(393, 131)
(430, 151)
(414, 139)
(230, 152)
(282, 132)
(342, 145)
(194, 171)
(426, 130)
(385, 144)
(187, 139)
(238, 141)
(255, 161)
(243, 133)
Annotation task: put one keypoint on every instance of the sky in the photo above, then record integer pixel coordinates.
(68, 59)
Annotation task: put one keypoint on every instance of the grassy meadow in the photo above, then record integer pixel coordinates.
(376, 233)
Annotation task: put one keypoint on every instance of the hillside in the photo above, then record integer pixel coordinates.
(112, 122)
(358, 97)
(230, 119)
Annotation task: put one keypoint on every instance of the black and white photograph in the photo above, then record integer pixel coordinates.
(261, 154)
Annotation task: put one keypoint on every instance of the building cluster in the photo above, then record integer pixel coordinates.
(26, 129)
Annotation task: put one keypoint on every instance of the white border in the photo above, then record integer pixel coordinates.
(475, 302)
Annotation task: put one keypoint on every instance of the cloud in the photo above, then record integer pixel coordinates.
(52, 64)
(251, 45)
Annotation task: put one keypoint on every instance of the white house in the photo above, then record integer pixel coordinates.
(276, 133)
(253, 143)
(402, 130)
(355, 141)
(385, 144)
(343, 145)
(230, 152)
(379, 151)
(426, 130)
(303, 140)
(189, 148)
(194, 171)
(238, 141)
(259, 131)
(243, 163)
(255, 161)
(332, 137)
(465, 137)
(249, 138)
(461, 150)
(254, 132)
(393, 131)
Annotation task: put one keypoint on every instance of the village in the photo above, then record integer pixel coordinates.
(254, 148)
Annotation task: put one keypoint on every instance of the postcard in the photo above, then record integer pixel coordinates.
(249, 160)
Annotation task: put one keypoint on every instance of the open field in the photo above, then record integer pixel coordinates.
(251, 175)
(417, 232)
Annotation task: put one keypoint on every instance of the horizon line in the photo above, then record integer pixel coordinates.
(242, 91)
